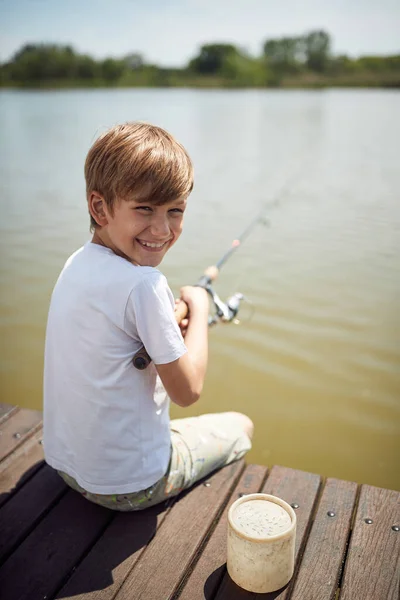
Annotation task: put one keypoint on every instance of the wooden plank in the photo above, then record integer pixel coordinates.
(102, 572)
(319, 573)
(26, 508)
(6, 410)
(295, 487)
(208, 572)
(15, 430)
(20, 466)
(372, 570)
(38, 568)
(171, 552)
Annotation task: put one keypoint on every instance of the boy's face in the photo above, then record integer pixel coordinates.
(141, 231)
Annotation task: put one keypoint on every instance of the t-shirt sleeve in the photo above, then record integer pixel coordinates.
(150, 311)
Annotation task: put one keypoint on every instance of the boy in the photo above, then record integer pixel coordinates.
(106, 424)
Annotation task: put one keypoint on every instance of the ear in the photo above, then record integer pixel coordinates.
(97, 208)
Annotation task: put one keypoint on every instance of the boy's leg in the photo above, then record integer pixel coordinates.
(206, 443)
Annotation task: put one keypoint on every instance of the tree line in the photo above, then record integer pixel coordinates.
(300, 61)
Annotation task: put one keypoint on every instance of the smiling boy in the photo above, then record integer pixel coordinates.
(106, 425)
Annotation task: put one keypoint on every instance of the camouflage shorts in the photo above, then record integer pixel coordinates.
(199, 445)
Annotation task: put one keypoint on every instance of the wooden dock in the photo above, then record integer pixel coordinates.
(56, 544)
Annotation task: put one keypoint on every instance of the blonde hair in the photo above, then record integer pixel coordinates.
(133, 157)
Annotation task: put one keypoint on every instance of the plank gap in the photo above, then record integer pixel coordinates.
(6, 411)
(24, 438)
(353, 517)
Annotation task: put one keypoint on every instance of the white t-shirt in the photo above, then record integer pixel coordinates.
(106, 424)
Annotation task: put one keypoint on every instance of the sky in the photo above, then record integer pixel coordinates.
(170, 32)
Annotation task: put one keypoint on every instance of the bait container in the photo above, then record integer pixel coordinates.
(261, 542)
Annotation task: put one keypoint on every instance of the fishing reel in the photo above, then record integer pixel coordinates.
(224, 311)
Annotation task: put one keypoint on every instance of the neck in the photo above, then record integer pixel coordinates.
(97, 239)
(102, 240)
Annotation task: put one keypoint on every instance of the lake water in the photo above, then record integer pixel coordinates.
(315, 361)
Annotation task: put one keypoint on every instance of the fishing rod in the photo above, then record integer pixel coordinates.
(224, 311)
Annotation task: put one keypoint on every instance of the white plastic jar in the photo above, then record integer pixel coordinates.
(261, 542)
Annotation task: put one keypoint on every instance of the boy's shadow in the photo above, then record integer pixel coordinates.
(120, 539)
(115, 552)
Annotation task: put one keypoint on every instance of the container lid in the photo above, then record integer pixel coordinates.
(257, 517)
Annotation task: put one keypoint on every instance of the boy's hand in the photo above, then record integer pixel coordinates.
(193, 299)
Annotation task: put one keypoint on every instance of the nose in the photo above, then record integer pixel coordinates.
(159, 226)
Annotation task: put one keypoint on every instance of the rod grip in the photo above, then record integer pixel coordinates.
(141, 359)
(181, 310)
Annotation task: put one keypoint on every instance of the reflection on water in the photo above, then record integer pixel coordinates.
(317, 366)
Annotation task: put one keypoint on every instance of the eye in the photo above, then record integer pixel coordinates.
(143, 208)
(176, 210)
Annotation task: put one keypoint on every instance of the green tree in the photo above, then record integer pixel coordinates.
(112, 69)
(44, 62)
(244, 71)
(212, 58)
(134, 61)
(87, 68)
(317, 49)
(285, 55)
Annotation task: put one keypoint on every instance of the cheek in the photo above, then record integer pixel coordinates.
(126, 225)
(121, 230)
(177, 227)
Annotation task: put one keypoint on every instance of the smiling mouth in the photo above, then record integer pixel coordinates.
(152, 246)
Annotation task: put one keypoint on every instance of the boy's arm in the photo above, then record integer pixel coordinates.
(183, 378)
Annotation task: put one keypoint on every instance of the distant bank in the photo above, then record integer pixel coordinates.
(303, 61)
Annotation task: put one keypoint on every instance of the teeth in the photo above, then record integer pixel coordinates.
(152, 245)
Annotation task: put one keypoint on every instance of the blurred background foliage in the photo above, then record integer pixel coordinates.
(303, 61)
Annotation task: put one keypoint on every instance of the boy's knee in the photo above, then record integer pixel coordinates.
(246, 423)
